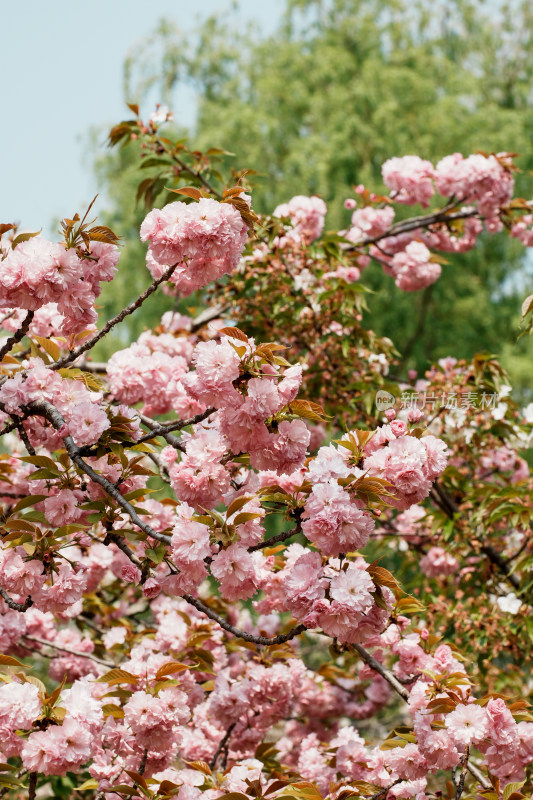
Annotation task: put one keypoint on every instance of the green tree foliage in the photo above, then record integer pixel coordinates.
(340, 87)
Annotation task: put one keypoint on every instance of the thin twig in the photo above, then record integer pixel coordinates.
(248, 637)
(63, 649)
(280, 537)
(89, 344)
(32, 786)
(116, 539)
(143, 762)
(161, 430)
(502, 564)
(450, 508)
(369, 659)
(24, 437)
(222, 745)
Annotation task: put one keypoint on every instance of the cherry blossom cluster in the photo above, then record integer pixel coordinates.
(205, 240)
(39, 274)
(478, 190)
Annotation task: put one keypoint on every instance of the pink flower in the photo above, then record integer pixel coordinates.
(205, 239)
(353, 589)
(398, 426)
(304, 584)
(20, 705)
(437, 563)
(151, 588)
(307, 214)
(62, 508)
(412, 268)
(87, 422)
(130, 573)
(235, 570)
(467, 724)
(58, 749)
(410, 178)
(190, 542)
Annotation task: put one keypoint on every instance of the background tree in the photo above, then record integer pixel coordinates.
(339, 87)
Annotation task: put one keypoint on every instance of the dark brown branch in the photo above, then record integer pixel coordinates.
(115, 538)
(248, 637)
(18, 335)
(162, 430)
(89, 344)
(222, 746)
(280, 537)
(24, 437)
(502, 564)
(28, 602)
(12, 426)
(372, 662)
(32, 786)
(423, 221)
(450, 508)
(189, 170)
(157, 430)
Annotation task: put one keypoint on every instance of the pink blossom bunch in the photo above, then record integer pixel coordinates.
(369, 222)
(437, 563)
(144, 373)
(199, 478)
(486, 180)
(410, 178)
(454, 240)
(523, 230)
(307, 215)
(413, 268)
(73, 400)
(38, 272)
(205, 239)
(48, 323)
(410, 465)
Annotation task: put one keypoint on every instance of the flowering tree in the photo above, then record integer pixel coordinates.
(195, 600)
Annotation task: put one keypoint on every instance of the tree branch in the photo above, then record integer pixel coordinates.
(222, 746)
(18, 335)
(63, 649)
(28, 602)
(162, 430)
(248, 637)
(47, 410)
(89, 344)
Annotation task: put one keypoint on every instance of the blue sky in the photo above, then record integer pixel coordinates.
(61, 66)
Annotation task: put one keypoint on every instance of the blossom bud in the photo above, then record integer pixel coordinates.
(130, 574)
(151, 588)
